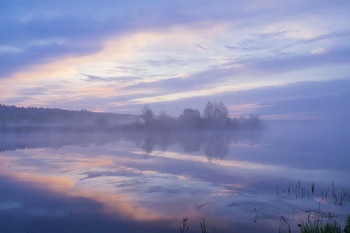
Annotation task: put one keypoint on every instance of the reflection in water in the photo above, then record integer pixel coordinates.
(215, 145)
(102, 183)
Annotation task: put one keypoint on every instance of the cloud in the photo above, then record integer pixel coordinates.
(85, 32)
(122, 79)
(330, 109)
(269, 100)
(42, 53)
(9, 49)
(198, 45)
(214, 77)
(328, 36)
(299, 62)
(261, 41)
(318, 51)
(174, 62)
(127, 53)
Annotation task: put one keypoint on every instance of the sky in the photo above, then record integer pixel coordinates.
(277, 59)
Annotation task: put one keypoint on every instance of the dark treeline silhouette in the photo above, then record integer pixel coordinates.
(211, 132)
(21, 117)
(215, 117)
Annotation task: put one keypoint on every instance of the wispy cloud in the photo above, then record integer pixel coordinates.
(122, 79)
(124, 54)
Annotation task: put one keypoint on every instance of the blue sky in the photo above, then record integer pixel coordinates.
(278, 59)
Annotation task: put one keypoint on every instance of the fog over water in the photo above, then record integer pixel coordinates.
(140, 116)
(240, 181)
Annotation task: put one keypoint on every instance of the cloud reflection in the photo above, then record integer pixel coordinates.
(107, 176)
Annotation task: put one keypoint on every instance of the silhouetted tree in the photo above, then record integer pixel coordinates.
(220, 110)
(147, 115)
(165, 122)
(215, 110)
(208, 110)
(190, 118)
(216, 115)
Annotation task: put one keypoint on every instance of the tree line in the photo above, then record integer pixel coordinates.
(12, 116)
(215, 116)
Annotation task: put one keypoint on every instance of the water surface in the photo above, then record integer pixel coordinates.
(111, 182)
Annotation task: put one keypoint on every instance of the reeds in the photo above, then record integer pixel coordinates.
(284, 226)
(203, 227)
(347, 225)
(316, 227)
(310, 226)
(317, 221)
(184, 227)
(333, 193)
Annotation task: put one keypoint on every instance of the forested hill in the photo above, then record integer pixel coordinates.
(13, 116)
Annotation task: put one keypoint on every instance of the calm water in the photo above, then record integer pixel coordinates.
(239, 182)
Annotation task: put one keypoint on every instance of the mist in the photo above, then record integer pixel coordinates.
(174, 116)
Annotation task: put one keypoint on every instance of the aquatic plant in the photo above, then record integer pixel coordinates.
(347, 225)
(184, 227)
(337, 194)
(203, 227)
(310, 226)
(284, 225)
(316, 227)
(256, 215)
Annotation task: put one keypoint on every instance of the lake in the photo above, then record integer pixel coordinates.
(245, 181)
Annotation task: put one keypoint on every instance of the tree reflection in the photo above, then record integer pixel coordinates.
(214, 144)
(191, 142)
(147, 146)
(217, 146)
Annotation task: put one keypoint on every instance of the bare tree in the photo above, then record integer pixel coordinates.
(220, 110)
(216, 110)
(208, 110)
(147, 115)
(216, 115)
